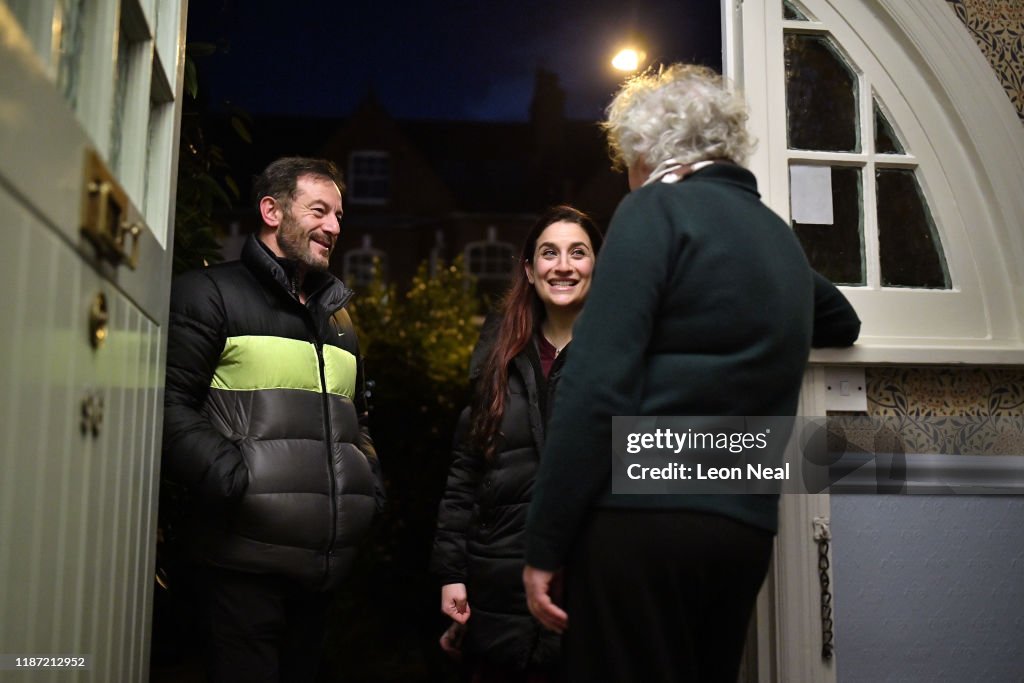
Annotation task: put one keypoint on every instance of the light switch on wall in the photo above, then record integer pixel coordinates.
(845, 389)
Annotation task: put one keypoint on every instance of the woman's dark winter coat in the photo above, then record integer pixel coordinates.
(481, 521)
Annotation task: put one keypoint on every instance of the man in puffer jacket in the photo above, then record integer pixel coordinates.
(265, 429)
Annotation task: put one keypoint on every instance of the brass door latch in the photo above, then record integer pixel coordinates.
(109, 220)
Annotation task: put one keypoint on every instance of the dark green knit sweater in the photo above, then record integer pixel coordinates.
(702, 304)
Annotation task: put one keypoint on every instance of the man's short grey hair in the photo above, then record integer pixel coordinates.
(684, 112)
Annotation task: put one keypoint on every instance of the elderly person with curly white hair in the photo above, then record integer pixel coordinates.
(702, 304)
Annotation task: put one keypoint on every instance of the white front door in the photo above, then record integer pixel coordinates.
(82, 353)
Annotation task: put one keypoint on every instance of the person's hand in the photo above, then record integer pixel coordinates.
(451, 640)
(454, 603)
(225, 480)
(542, 587)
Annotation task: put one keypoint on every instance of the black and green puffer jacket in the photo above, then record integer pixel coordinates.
(265, 421)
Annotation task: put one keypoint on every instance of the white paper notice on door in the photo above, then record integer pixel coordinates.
(810, 194)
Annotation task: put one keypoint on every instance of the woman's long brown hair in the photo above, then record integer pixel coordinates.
(521, 311)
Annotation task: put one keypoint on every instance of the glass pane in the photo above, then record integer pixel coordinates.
(821, 96)
(152, 140)
(361, 264)
(120, 99)
(886, 141)
(909, 246)
(837, 251)
(157, 176)
(70, 49)
(792, 13)
(491, 260)
(370, 178)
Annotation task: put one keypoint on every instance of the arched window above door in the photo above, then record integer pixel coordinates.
(839, 159)
(886, 141)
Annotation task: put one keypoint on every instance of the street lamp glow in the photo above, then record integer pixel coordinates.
(628, 59)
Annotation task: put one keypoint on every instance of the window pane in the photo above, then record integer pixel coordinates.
(370, 177)
(909, 246)
(837, 251)
(886, 141)
(70, 50)
(490, 261)
(791, 12)
(120, 98)
(362, 264)
(821, 96)
(152, 137)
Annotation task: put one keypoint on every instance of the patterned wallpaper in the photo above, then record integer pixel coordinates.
(998, 28)
(947, 410)
(954, 410)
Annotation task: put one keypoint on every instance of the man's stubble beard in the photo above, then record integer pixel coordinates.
(294, 244)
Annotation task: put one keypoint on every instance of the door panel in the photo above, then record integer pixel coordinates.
(80, 440)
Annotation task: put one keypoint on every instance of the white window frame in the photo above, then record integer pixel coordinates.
(956, 123)
(354, 177)
(491, 241)
(364, 253)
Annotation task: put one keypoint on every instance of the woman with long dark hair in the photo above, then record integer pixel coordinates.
(479, 546)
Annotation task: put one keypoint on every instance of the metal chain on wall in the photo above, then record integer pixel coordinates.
(822, 536)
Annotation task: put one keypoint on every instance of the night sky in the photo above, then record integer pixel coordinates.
(435, 59)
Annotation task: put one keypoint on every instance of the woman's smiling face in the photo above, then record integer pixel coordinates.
(563, 262)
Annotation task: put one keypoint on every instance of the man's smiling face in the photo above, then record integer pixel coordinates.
(311, 222)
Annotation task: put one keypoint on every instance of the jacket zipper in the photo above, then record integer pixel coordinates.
(325, 402)
(328, 442)
(549, 387)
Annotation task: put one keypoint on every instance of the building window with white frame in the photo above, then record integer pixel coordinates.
(361, 265)
(491, 262)
(369, 177)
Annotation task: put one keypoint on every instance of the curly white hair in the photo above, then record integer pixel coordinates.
(684, 112)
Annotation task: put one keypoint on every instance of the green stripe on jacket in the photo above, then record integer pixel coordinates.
(263, 362)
